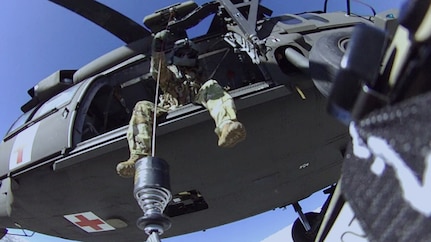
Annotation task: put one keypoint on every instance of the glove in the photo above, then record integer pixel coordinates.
(159, 39)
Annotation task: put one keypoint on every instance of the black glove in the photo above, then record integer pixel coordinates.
(159, 40)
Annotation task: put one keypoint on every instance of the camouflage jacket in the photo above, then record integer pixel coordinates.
(178, 88)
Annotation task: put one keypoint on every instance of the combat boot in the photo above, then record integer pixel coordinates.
(231, 134)
(126, 168)
(222, 109)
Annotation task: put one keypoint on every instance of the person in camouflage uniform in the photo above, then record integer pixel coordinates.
(181, 83)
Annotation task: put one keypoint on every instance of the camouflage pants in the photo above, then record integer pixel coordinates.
(140, 128)
(218, 102)
(211, 95)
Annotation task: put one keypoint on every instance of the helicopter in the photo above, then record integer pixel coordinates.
(88, 109)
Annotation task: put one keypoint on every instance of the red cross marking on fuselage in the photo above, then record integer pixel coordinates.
(19, 156)
(84, 222)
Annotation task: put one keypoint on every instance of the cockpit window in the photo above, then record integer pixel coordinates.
(20, 121)
(56, 102)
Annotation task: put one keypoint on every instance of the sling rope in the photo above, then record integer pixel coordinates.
(153, 138)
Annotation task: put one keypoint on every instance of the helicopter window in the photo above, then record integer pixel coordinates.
(109, 99)
(56, 102)
(314, 17)
(289, 20)
(20, 121)
(110, 108)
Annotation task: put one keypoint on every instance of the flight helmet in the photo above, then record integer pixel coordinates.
(185, 53)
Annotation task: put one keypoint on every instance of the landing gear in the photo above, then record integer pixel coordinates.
(305, 227)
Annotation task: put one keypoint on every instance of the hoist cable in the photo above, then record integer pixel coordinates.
(153, 138)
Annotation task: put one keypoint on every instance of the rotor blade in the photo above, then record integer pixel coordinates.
(116, 23)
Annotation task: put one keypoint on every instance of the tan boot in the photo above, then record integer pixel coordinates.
(231, 134)
(126, 168)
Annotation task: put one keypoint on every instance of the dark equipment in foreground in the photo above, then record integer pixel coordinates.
(385, 98)
(152, 192)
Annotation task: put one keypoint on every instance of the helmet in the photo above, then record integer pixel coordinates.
(185, 53)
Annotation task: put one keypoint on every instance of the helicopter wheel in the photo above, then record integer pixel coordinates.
(325, 58)
(299, 234)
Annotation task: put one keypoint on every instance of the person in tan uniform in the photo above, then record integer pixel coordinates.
(181, 83)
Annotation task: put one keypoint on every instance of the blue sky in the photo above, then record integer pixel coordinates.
(38, 38)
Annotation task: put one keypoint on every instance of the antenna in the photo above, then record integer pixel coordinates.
(348, 6)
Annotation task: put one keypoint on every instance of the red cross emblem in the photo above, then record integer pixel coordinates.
(89, 222)
(84, 222)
